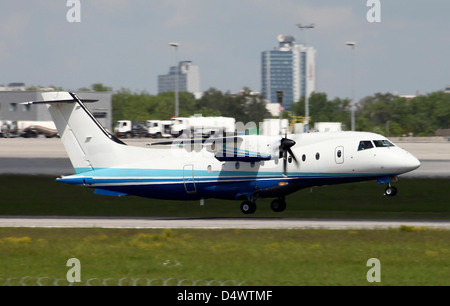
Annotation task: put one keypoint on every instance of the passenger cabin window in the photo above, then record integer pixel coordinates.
(364, 145)
(383, 143)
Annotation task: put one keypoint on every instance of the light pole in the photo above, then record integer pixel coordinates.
(352, 44)
(306, 27)
(175, 45)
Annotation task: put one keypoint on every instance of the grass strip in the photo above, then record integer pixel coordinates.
(408, 255)
(43, 196)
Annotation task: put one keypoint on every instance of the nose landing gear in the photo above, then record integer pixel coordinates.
(390, 191)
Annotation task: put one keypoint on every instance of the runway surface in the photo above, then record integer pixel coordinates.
(48, 156)
(215, 223)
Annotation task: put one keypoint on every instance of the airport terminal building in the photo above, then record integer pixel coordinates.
(11, 108)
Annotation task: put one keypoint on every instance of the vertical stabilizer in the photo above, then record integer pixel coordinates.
(85, 139)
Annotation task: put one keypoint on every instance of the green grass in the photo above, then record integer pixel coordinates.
(408, 256)
(43, 196)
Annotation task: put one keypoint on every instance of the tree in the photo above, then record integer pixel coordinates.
(244, 107)
(323, 110)
(100, 87)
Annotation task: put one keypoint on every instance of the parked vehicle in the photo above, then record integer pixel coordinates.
(159, 128)
(27, 129)
(130, 129)
(328, 126)
(199, 126)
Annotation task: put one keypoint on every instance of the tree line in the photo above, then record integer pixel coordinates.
(382, 113)
(244, 107)
(385, 114)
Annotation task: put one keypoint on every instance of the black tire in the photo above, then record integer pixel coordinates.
(390, 191)
(278, 205)
(248, 207)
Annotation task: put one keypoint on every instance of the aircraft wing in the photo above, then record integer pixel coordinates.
(239, 155)
(224, 148)
(242, 157)
(194, 141)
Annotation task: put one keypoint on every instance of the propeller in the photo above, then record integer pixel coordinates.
(285, 147)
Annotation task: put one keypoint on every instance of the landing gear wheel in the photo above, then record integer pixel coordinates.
(278, 205)
(390, 191)
(248, 207)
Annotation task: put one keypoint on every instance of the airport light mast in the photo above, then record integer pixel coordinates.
(352, 44)
(306, 27)
(176, 45)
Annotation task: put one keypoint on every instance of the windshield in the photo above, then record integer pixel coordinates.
(383, 143)
(364, 145)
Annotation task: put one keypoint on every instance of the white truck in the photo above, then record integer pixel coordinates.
(272, 127)
(199, 126)
(27, 129)
(159, 128)
(130, 129)
(328, 127)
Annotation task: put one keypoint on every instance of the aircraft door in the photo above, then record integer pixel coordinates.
(339, 155)
(188, 179)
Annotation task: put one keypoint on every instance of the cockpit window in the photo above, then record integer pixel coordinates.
(382, 143)
(364, 145)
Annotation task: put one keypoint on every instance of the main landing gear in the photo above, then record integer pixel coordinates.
(277, 205)
(248, 207)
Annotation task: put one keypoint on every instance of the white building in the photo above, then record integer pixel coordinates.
(188, 79)
(11, 108)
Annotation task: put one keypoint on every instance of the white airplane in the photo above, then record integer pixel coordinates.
(243, 168)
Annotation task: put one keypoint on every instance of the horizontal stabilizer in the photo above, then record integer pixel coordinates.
(59, 101)
(59, 97)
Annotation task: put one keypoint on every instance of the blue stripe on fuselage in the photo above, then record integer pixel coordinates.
(171, 185)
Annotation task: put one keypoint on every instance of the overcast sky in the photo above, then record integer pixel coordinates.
(125, 43)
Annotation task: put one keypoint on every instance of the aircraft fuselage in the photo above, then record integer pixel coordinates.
(188, 171)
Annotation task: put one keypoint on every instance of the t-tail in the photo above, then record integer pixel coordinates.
(89, 145)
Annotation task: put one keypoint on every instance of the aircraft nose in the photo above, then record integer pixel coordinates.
(410, 162)
(398, 161)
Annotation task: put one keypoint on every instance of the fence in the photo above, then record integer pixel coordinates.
(124, 281)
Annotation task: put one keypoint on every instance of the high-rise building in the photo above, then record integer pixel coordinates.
(290, 68)
(188, 78)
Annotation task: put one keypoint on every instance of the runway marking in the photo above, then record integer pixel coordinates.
(211, 223)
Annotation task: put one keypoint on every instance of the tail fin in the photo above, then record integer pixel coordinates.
(85, 139)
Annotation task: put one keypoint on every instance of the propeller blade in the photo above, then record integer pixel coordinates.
(285, 148)
(293, 156)
(286, 143)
